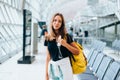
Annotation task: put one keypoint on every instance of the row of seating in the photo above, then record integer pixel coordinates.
(100, 66)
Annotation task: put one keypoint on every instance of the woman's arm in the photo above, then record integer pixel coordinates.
(71, 47)
(47, 62)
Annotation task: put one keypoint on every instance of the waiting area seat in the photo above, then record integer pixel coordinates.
(100, 66)
(108, 69)
(118, 78)
(112, 71)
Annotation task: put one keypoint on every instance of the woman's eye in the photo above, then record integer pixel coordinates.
(60, 21)
(55, 20)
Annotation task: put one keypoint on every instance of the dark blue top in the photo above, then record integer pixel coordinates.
(53, 49)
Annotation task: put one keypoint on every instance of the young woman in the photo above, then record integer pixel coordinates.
(57, 36)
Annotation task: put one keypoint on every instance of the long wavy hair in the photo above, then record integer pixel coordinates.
(62, 29)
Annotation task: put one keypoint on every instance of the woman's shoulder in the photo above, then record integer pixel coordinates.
(67, 35)
(69, 38)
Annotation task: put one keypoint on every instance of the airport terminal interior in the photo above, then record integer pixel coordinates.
(95, 25)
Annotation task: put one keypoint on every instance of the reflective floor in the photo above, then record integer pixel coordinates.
(10, 70)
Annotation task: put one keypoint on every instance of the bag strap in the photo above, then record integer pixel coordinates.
(60, 54)
(67, 37)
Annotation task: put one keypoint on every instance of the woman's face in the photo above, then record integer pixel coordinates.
(57, 22)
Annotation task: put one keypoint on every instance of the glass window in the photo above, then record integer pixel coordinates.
(12, 37)
(1, 41)
(14, 17)
(13, 3)
(13, 29)
(19, 4)
(18, 43)
(15, 34)
(3, 52)
(10, 33)
(16, 5)
(6, 17)
(5, 1)
(3, 31)
(13, 46)
(18, 34)
(9, 2)
(4, 46)
(19, 29)
(0, 51)
(9, 14)
(2, 19)
(20, 17)
(1, 0)
(4, 41)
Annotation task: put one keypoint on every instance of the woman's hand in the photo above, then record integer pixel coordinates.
(71, 47)
(46, 33)
(61, 41)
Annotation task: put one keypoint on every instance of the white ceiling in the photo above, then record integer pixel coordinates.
(78, 11)
(72, 9)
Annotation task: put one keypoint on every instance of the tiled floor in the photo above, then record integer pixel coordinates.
(10, 70)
